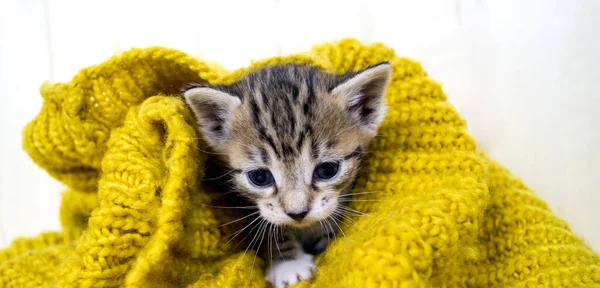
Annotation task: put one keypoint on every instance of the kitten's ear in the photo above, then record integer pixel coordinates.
(212, 108)
(363, 94)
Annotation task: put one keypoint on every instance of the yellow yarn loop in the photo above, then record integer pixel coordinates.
(135, 214)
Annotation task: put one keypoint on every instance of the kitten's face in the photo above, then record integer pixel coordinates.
(293, 135)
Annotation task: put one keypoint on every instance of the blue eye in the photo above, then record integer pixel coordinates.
(261, 177)
(326, 170)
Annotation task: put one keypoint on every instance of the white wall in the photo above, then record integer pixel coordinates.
(521, 72)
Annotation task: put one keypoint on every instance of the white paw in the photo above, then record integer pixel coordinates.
(288, 272)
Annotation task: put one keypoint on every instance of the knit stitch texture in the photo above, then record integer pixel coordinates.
(136, 215)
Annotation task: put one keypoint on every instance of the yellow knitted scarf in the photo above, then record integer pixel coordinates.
(135, 214)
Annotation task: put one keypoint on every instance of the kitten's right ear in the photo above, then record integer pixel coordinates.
(212, 108)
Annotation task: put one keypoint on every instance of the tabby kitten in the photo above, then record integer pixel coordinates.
(291, 138)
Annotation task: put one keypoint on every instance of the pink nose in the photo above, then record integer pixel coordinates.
(298, 216)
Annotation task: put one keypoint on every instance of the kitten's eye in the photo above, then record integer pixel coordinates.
(326, 170)
(261, 177)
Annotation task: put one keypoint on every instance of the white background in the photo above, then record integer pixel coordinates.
(523, 74)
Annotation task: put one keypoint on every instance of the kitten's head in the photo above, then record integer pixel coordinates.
(292, 135)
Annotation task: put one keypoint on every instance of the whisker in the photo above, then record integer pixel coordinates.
(219, 177)
(257, 225)
(355, 214)
(326, 231)
(270, 243)
(238, 232)
(226, 193)
(254, 237)
(358, 200)
(341, 214)
(229, 186)
(277, 240)
(245, 227)
(262, 234)
(336, 224)
(348, 209)
(358, 193)
(224, 207)
(332, 230)
(239, 219)
(251, 242)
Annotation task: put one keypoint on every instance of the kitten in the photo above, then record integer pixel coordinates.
(291, 137)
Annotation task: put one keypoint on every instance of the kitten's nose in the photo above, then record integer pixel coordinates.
(297, 216)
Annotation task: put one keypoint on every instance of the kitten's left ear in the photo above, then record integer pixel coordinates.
(363, 93)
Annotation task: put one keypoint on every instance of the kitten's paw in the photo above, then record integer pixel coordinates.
(288, 272)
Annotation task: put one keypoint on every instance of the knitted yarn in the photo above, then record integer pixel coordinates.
(136, 213)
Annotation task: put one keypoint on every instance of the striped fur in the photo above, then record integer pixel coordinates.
(289, 119)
